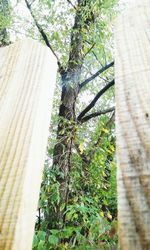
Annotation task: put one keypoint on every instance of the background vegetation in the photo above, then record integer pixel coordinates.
(77, 207)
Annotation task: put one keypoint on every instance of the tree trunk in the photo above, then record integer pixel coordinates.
(133, 126)
(67, 118)
(65, 135)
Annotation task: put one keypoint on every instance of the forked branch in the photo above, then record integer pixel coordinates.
(93, 102)
(96, 74)
(96, 114)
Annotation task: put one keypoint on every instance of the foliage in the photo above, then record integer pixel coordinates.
(90, 215)
(5, 21)
(80, 36)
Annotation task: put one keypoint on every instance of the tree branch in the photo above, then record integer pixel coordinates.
(72, 4)
(43, 34)
(92, 46)
(97, 58)
(93, 102)
(95, 114)
(81, 26)
(96, 74)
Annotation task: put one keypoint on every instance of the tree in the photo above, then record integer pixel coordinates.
(4, 22)
(79, 48)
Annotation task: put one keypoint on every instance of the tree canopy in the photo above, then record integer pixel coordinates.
(77, 205)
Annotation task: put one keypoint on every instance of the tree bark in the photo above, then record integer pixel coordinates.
(133, 126)
(67, 117)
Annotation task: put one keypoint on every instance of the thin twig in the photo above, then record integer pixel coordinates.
(72, 4)
(96, 58)
(89, 50)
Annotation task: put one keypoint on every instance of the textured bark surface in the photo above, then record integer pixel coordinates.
(26, 93)
(133, 125)
(70, 89)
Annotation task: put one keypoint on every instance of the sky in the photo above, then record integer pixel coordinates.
(20, 7)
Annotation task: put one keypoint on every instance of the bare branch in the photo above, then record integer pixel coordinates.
(96, 74)
(95, 114)
(72, 4)
(43, 34)
(93, 102)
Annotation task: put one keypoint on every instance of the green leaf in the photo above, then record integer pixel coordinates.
(67, 232)
(41, 245)
(54, 231)
(35, 241)
(41, 235)
(53, 240)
